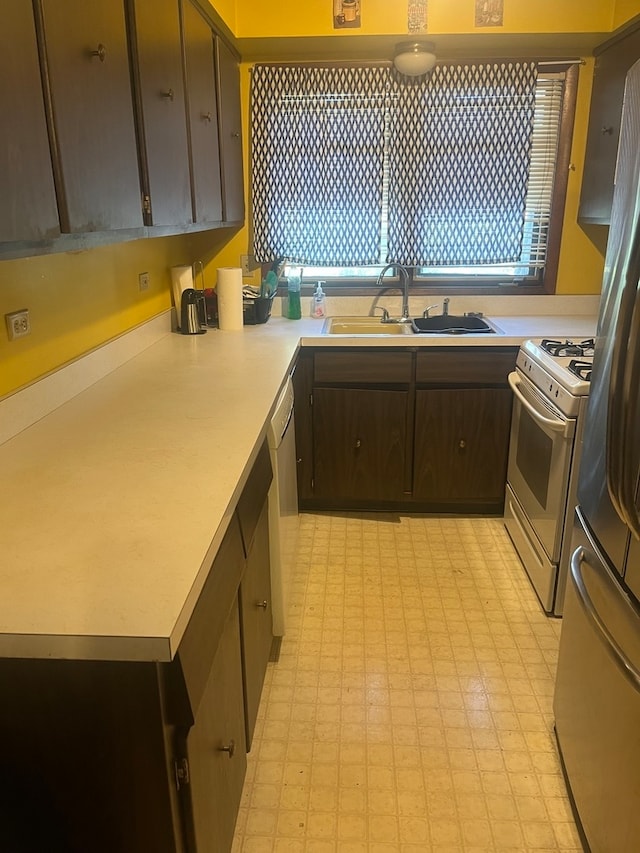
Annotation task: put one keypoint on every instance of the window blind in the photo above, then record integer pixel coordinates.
(542, 168)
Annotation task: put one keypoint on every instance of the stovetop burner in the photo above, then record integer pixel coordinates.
(560, 369)
(566, 348)
(581, 369)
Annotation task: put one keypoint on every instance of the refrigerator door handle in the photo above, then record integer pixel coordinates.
(613, 649)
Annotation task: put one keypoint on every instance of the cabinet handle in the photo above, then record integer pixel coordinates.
(358, 443)
(264, 604)
(606, 131)
(206, 117)
(462, 444)
(236, 134)
(230, 749)
(169, 95)
(100, 52)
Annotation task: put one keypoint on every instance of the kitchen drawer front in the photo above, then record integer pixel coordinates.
(465, 366)
(254, 496)
(349, 367)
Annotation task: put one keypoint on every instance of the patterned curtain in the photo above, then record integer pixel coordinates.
(317, 163)
(345, 159)
(459, 163)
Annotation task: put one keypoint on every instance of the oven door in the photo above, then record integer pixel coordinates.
(540, 452)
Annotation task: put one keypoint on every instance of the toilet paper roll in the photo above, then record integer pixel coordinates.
(181, 280)
(229, 292)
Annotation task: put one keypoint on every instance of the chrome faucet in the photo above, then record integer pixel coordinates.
(445, 308)
(404, 276)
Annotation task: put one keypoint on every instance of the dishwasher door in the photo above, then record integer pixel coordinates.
(283, 506)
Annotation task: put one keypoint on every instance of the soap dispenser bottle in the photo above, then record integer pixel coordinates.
(319, 303)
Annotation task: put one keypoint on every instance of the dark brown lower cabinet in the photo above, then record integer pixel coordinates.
(424, 429)
(461, 446)
(129, 757)
(257, 621)
(84, 764)
(255, 588)
(359, 444)
(215, 750)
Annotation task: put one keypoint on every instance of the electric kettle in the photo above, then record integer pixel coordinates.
(190, 314)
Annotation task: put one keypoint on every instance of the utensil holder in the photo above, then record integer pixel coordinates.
(256, 311)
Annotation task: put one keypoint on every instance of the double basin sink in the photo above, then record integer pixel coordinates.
(443, 324)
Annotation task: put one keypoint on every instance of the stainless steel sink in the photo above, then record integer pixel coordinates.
(442, 324)
(364, 326)
(452, 324)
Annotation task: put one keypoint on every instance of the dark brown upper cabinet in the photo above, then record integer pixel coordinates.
(228, 76)
(28, 208)
(202, 107)
(160, 110)
(613, 59)
(88, 90)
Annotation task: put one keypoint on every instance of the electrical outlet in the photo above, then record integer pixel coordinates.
(18, 324)
(143, 281)
(248, 264)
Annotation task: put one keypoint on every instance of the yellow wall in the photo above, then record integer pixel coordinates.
(623, 12)
(257, 18)
(226, 9)
(79, 300)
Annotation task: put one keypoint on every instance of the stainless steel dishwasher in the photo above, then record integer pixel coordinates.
(283, 510)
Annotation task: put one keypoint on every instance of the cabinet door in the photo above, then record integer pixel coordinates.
(604, 128)
(359, 445)
(216, 749)
(256, 621)
(94, 139)
(162, 123)
(203, 116)
(228, 75)
(303, 389)
(28, 205)
(461, 446)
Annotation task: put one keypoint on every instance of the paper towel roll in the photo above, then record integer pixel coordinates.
(181, 280)
(229, 292)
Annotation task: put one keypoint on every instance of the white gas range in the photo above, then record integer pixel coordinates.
(551, 389)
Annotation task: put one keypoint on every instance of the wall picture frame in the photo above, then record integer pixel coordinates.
(346, 14)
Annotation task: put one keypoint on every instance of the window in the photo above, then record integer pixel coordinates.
(462, 178)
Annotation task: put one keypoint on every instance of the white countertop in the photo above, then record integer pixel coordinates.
(115, 503)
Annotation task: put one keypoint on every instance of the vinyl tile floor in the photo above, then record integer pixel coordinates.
(411, 707)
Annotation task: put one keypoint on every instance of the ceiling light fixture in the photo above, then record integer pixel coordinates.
(414, 58)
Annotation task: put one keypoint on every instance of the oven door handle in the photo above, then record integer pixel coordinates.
(555, 424)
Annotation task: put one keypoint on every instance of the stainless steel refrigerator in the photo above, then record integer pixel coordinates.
(597, 695)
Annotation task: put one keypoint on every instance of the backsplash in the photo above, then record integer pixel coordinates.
(512, 306)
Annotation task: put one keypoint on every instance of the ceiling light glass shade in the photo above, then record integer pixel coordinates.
(414, 58)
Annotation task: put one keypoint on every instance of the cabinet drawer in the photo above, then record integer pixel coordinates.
(357, 366)
(466, 366)
(254, 496)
